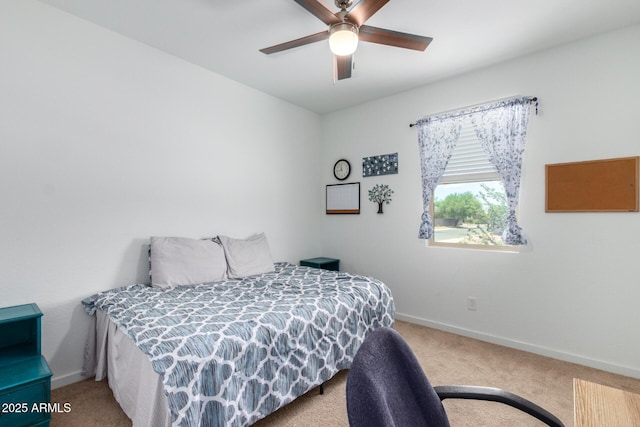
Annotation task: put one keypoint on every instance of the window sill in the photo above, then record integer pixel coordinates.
(490, 248)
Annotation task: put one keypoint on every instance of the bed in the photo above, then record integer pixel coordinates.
(229, 352)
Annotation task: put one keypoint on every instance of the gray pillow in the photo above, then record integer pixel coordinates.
(246, 257)
(178, 261)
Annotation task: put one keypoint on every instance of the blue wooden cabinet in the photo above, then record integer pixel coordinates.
(25, 377)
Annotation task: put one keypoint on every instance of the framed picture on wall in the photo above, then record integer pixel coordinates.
(384, 164)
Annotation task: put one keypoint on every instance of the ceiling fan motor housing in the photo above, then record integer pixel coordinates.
(343, 4)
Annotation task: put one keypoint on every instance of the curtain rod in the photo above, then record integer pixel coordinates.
(462, 113)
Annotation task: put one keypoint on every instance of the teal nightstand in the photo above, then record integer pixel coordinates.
(25, 377)
(322, 262)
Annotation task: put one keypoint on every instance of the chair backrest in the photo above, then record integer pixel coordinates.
(386, 386)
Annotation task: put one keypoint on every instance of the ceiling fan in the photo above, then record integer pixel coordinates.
(346, 27)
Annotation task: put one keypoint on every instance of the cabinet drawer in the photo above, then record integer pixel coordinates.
(16, 404)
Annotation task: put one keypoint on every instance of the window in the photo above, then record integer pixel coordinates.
(469, 205)
(501, 129)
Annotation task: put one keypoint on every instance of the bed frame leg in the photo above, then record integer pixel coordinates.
(322, 388)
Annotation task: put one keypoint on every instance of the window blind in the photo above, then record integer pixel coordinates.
(469, 162)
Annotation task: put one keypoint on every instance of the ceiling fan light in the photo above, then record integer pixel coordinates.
(343, 38)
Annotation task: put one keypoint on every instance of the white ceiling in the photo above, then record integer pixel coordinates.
(225, 36)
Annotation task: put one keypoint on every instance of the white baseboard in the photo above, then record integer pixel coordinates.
(63, 380)
(519, 345)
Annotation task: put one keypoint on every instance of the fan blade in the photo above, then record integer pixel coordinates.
(320, 11)
(343, 65)
(323, 35)
(365, 10)
(393, 38)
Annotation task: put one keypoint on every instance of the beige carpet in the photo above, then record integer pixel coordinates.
(446, 358)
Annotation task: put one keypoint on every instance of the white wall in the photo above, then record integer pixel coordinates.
(105, 141)
(573, 294)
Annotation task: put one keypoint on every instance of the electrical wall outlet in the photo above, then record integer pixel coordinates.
(472, 303)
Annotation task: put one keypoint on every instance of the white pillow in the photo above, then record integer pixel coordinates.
(246, 257)
(178, 261)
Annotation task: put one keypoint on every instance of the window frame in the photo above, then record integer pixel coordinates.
(477, 174)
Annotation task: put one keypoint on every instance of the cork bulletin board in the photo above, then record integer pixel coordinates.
(609, 185)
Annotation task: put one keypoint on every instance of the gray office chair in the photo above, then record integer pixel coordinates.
(386, 387)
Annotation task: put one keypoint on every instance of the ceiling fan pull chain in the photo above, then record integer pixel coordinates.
(334, 70)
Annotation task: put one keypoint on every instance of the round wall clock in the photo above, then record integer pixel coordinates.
(342, 169)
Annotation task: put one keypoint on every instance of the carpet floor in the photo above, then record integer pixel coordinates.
(446, 358)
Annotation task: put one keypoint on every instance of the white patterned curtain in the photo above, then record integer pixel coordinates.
(437, 136)
(502, 131)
